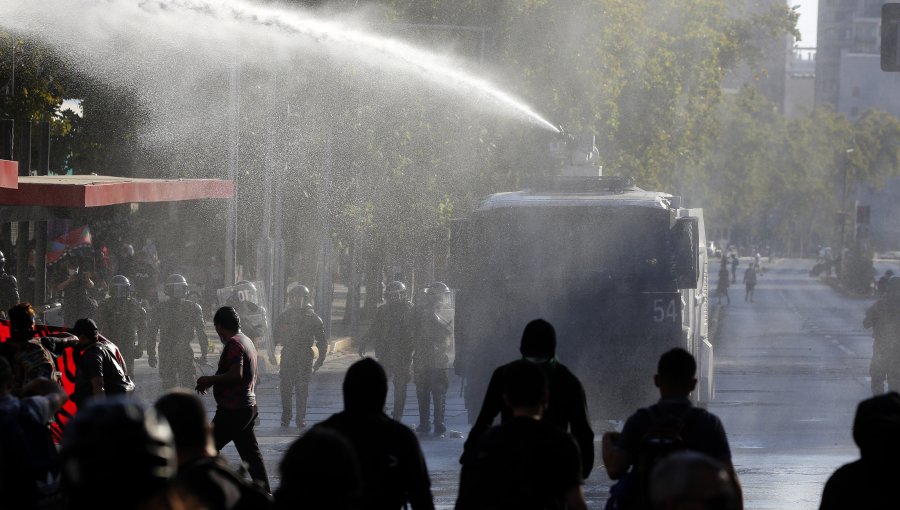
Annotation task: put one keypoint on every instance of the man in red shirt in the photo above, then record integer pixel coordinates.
(233, 388)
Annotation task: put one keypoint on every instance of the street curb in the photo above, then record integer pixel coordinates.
(341, 344)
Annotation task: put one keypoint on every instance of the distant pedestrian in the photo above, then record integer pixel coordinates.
(881, 285)
(234, 390)
(871, 481)
(884, 319)
(393, 467)
(722, 285)
(750, 282)
(653, 432)
(567, 405)
(202, 474)
(525, 462)
(734, 265)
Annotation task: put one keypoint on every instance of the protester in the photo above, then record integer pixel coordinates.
(234, 390)
(567, 406)
(320, 471)
(202, 475)
(101, 370)
(31, 357)
(672, 423)
(871, 481)
(393, 467)
(29, 463)
(117, 455)
(524, 463)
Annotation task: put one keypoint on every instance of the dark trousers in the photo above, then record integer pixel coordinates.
(883, 368)
(431, 386)
(237, 425)
(176, 365)
(295, 377)
(398, 374)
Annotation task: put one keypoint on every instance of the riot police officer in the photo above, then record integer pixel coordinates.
(297, 329)
(122, 319)
(9, 288)
(245, 300)
(884, 319)
(392, 332)
(177, 321)
(433, 335)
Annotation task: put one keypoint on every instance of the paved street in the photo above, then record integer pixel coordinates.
(790, 370)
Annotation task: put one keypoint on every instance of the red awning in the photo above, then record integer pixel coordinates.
(98, 190)
(9, 174)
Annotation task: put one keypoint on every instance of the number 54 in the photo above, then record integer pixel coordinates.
(663, 311)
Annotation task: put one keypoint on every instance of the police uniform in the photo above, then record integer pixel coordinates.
(9, 292)
(884, 319)
(124, 320)
(431, 360)
(392, 332)
(177, 321)
(298, 328)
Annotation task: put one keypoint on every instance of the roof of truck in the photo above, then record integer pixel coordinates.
(635, 197)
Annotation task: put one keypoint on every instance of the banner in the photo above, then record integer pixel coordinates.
(71, 240)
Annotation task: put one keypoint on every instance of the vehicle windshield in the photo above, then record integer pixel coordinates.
(571, 243)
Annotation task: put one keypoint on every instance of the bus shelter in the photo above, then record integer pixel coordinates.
(39, 199)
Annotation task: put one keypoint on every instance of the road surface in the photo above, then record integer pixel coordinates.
(790, 369)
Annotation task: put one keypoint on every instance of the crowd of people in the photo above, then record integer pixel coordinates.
(117, 452)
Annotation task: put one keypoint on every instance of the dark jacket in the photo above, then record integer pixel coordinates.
(567, 410)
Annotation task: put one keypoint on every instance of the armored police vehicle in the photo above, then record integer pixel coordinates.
(619, 271)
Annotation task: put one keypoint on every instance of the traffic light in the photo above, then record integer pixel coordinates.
(863, 214)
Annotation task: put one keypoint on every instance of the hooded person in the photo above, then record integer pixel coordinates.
(393, 466)
(567, 405)
(869, 482)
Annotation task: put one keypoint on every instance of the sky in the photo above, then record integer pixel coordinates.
(808, 14)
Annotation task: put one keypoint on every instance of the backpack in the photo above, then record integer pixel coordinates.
(115, 376)
(663, 438)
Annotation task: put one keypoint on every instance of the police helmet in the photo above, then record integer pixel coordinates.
(396, 291)
(2, 259)
(176, 286)
(437, 292)
(298, 293)
(119, 286)
(106, 435)
(244, 291)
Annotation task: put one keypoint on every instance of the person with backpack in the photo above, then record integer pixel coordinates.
(652, 433)
(101, 368)
(201, 474)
